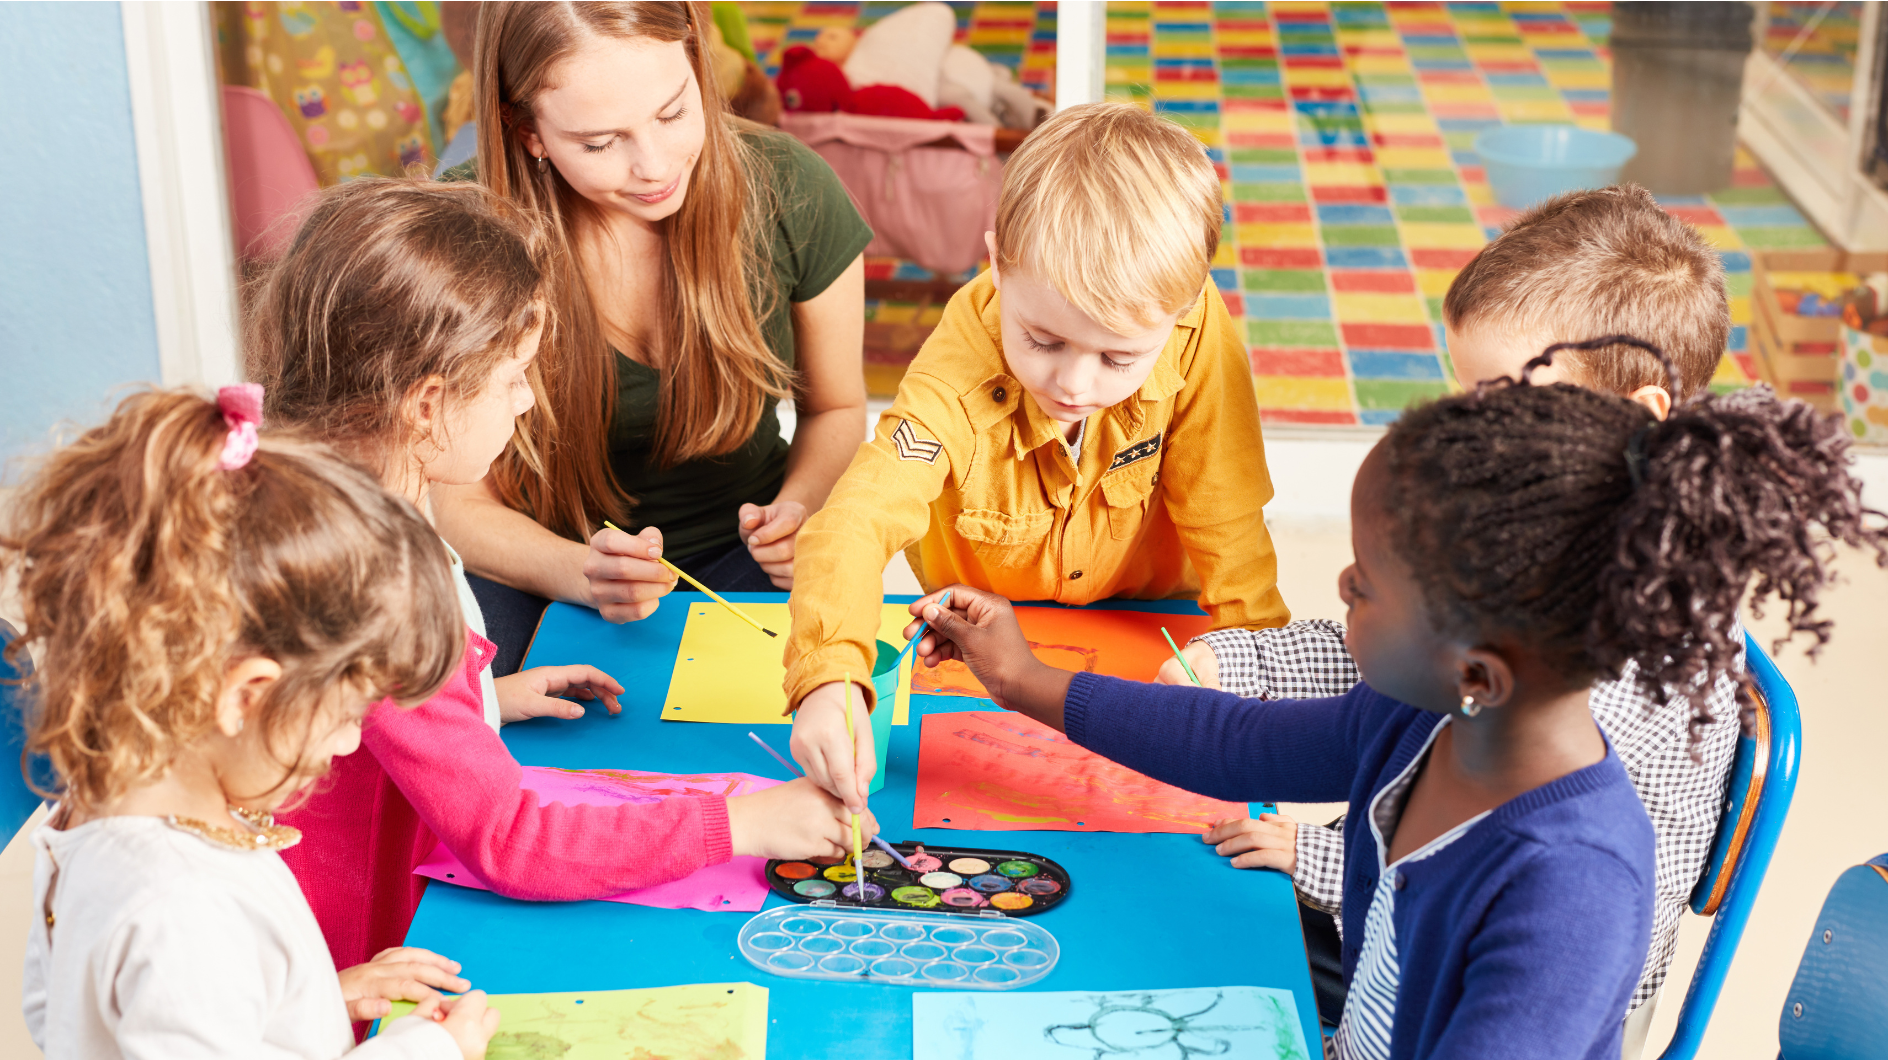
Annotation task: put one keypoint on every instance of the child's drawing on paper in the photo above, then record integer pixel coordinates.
(1231, 1021)
(999, 771)
(704, 1021)
(1117, 643)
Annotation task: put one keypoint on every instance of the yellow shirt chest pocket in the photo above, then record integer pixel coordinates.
(1002, 539)
(1126, 492)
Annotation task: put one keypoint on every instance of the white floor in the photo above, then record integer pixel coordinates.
(1837, 819)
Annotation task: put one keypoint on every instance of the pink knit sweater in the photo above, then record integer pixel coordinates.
(438, 770)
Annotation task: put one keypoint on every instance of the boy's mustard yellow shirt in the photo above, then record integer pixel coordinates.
(969, 477)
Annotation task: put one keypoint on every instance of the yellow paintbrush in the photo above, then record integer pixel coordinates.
(858, 847)
(680, 573)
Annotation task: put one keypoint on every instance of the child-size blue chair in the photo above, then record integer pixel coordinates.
(1763, 780)
(1838, 1004)
(17, 800)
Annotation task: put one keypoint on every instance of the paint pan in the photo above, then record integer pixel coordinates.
(941, 880)
(947, 951)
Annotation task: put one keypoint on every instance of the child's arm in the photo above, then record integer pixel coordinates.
(1554, 961)
(1304, 660)
(466, 787)
(1198, 739)
(880, 506)
(1214, 480)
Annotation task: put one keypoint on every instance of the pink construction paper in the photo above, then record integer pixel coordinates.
(738, 885)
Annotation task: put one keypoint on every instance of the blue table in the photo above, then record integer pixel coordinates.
(1218, 927)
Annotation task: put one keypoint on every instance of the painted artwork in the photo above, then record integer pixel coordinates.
(1249, 1022)
(726, 672)
(738, 885)
(709, 1021)
(997, 771)
(1117, 643)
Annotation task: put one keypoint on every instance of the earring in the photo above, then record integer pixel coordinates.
(1470, 708)
(544, 164)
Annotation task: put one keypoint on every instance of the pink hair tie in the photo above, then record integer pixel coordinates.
(242, 410)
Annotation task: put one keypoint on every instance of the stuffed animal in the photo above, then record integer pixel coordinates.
(810, 83)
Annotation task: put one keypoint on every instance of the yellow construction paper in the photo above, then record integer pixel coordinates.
(726, 672)
(702, 1019)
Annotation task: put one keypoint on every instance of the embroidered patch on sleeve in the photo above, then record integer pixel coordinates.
(912, 447)
(1135, 453)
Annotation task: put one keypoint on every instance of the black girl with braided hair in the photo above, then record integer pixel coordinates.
(1512, 545)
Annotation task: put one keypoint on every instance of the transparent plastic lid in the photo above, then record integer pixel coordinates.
(948, 951)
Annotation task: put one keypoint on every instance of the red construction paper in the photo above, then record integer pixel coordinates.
(1002, 772)
(1117, 643)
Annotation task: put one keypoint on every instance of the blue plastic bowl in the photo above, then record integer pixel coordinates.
(1528, 163)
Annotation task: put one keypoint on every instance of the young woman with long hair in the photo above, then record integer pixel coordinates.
(706, 268)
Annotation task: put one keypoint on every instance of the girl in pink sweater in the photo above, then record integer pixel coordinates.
(402, 327)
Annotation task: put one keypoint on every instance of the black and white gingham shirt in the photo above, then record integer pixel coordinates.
(1307, 660)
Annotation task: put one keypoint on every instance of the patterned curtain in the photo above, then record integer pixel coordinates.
(336, 73)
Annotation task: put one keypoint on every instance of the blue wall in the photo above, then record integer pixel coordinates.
(76, 323)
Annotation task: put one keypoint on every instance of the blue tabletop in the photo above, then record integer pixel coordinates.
(1151, 911)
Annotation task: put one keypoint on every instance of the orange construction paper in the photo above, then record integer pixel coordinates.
(1117, 643)
(995, 771)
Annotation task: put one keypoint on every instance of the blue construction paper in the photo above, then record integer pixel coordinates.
(1249, 1022)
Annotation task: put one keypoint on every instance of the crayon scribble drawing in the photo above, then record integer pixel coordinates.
(713, 1021)
(1117, 643)
(1247, 1022)
(993, 771)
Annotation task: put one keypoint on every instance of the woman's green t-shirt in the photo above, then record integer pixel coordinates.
(812, 237)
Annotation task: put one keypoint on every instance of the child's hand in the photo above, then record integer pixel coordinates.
(770, 534)
(1198, 655)
(842, 766)
(470, 1022)
(1270, 842)
(404, 973)
(797, 819)
(626, 582)
(980, 628)
(533, 693)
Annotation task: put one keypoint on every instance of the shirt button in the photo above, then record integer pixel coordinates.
(1400, 882)
(1156, 481)
(1000, 394)
(1075, 575)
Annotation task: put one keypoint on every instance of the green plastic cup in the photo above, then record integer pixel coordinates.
(885, 689)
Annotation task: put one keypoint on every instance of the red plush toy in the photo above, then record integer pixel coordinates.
(810, 83)
(891, 101)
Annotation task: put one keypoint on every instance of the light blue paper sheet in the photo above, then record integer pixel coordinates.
(1248, 1022)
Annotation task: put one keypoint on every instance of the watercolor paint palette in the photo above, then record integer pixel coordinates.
(940, 880)
(951, 951)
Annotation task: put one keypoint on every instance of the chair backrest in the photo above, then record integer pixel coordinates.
(1763, 781)
(1837, 1007)
(17, 800)
(269, 172)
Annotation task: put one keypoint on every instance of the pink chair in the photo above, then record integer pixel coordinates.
(270, 177)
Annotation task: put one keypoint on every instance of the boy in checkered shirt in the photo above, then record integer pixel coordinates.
(1577, 266)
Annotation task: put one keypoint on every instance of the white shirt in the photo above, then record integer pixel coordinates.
(1363, 1033)
(166, 946)
(474, 618)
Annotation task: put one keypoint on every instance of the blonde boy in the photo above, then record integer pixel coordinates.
(1080, 426)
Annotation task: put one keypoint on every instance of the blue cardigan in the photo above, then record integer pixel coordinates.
(1523, 938)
